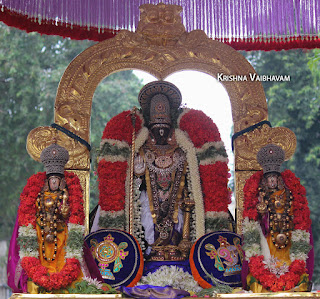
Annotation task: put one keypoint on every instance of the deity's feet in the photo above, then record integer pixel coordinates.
(167, 253)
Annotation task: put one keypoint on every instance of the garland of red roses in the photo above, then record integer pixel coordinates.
(27, 211)
(301, 220)
(214, 178)
(270, 281)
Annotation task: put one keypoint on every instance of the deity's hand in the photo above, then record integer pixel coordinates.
(65, 209)
(261, 196)
(187, 204)
(261, 205)
(139, 165)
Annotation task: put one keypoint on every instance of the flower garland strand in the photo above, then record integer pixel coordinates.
(251, 233)
(27, 234)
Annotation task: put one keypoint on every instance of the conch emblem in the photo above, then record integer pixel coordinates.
(226, 256)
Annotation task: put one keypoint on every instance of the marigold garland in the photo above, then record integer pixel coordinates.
(27, 215)
(301, 221)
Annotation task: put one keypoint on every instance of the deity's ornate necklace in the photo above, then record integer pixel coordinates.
(165, 178)
(278, 203)
(48, 207)
(281, 222)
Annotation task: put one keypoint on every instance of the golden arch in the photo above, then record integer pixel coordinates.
(161, 54)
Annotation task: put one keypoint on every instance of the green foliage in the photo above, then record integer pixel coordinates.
(296, 105)
(217, 288)
(85, 287)
(31, 67)
(116, 93)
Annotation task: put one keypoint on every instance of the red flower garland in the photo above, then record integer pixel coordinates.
(270, 281)
(27, 211)
(120, 127)
(215, 191)
(214, 177)
(112, 177)
(200, 128)
(301, 220)
(54, 281)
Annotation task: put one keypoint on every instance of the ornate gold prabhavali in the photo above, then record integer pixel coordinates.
(161, 46)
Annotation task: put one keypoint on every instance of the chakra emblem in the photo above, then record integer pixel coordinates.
(226, 256)
(108, 252)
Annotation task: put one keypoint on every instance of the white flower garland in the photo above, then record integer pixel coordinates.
(113, 158)
(261, 248)
(299, 236)
(111, 214)
(76, 252)
(195, 185)
(251, 248)
(213, 215)
(211, 160)
(28, 233)
(137, 225)
(171, 276)
(142, 137)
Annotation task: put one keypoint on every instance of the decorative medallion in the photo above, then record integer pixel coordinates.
(107, 252)
(118, 256)
(217, 257)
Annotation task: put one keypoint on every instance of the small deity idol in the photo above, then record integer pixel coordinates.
(278, 216)
(46, 249)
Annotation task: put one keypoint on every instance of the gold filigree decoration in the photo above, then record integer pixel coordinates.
(241, 178)
(39, 138)
(160, 24)
(84, 177)
(248, 145)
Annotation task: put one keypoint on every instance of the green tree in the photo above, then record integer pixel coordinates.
(296, 105)
(116, 93)
(31, 67)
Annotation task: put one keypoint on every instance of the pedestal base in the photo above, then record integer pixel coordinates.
(286, 295)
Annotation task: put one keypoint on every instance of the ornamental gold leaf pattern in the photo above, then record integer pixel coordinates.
(248, 145)
(241, 178)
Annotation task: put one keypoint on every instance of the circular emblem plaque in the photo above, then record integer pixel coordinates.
(118, 256)
(217, 258)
